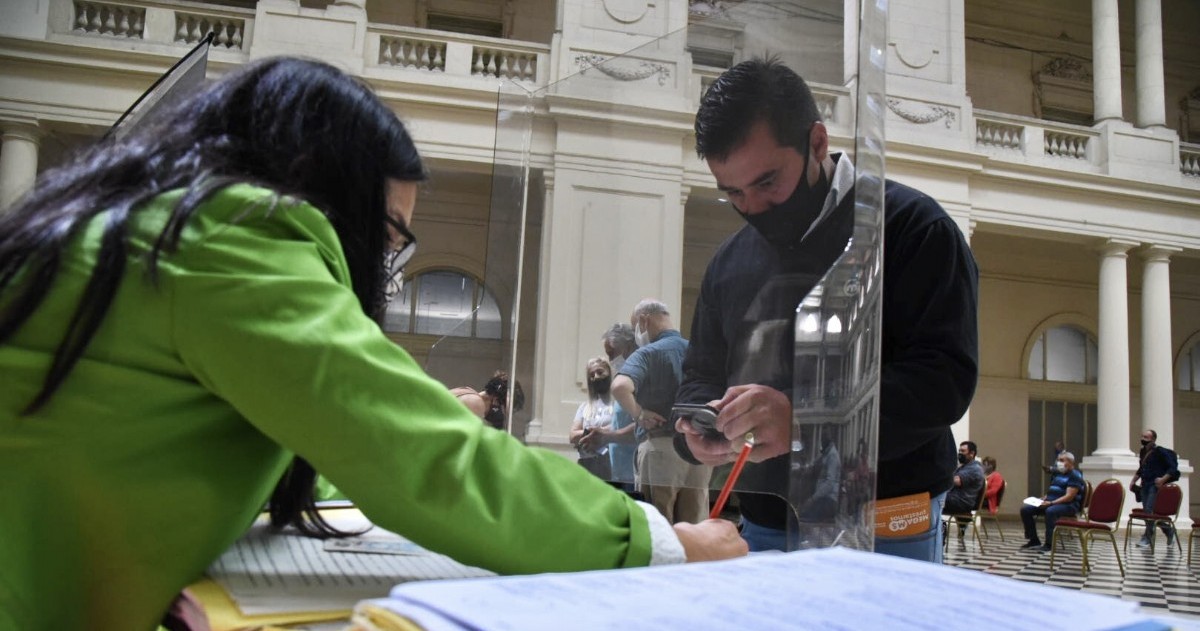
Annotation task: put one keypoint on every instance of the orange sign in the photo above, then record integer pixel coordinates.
(902, 516)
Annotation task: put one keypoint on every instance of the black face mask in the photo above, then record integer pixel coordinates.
(602, 386)
(495, 417)
(785, 223)
(962, 459)
(1145, 442)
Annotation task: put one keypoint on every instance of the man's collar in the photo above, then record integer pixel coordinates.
(840, 185)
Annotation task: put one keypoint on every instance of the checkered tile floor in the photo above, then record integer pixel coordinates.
(1161, 580)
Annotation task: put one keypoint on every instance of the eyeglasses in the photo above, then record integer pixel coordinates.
(395, 259)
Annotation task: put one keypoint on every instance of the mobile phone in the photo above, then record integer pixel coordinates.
(702, 417)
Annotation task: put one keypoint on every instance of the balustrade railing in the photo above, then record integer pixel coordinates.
(457, 54)
(1066, 145)
(412, 52)
(190, 28)
(999, 135)
(513, 65)
(1189, 159)
(109, 20)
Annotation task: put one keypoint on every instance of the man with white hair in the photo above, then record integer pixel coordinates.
(1062, 500)
(645, 387)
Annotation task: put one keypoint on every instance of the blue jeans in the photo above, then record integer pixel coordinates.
(1149, 494)
(1053, 513)
(926, 546)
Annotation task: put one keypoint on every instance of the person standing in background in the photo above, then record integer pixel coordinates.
(646, 388)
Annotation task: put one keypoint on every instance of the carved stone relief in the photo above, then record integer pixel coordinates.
(922, 114)
(623, 69)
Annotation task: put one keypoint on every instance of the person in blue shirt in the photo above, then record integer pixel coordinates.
(645, 387)
(1063, 499)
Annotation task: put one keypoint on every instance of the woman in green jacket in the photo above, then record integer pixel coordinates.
(186, 321)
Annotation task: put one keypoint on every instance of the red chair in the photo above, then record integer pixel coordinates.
(1104, 515)
(1166, 509)
(987, 514)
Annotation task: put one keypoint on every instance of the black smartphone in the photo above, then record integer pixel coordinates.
(702, 417)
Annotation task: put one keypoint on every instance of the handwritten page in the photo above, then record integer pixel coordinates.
(265, 572)
(818, 589)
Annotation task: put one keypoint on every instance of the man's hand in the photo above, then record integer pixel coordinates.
(1160, 481)
(710, 540)
(761, 410)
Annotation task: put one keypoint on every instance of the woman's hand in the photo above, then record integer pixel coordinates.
(711, 540)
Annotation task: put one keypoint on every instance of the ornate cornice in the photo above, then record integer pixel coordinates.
(624, 70)
(1066, 68)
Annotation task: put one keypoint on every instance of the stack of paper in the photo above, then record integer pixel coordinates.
(820, 589)
(269, 573)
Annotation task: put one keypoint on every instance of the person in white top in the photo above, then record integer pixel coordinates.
(594, 420)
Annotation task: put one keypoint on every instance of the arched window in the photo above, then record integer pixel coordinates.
(448, 302)
(1187, 372)
(1063, 353)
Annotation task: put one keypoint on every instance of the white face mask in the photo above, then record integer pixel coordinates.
(1060, 467)
(641, 336)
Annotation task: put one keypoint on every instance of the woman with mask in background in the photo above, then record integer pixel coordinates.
(593, 426)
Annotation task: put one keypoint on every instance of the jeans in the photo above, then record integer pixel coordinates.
(926, 546)
(1149, 494)
(1053, 513)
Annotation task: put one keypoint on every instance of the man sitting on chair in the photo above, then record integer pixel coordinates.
(1063, 500)
(963, 497)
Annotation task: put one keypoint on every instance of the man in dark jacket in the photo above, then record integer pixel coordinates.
(1159, 466)
(759, 130)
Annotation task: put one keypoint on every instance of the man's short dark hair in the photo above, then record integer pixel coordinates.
(1153, 434)
(754, 90)
(971, 446)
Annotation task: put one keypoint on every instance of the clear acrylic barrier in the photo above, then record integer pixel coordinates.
(563, 167)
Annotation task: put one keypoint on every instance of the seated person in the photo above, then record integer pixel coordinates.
(1063, 500)
(994, 482)
(968, 482)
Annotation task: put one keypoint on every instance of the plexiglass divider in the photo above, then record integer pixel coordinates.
(825, 354)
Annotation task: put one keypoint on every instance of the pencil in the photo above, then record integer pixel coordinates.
(733, 476)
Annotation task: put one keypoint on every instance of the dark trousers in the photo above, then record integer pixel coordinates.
(1053, 513)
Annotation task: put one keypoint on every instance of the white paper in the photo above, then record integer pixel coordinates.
(1033, 501)
(266, 572)
(818, 589)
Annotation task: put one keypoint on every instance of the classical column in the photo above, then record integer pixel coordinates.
(1158, 383)
(1106, 60)
(1112, 388)
(18, 159)
(1151, 99)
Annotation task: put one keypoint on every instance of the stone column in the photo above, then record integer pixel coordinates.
(1106, 64)
(18, 159)
(1112, 386)
(1158, 383)
(1151, 90)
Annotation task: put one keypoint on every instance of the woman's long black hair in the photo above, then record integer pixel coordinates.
(300, 127)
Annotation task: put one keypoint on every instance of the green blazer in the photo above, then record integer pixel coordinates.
(165, 441)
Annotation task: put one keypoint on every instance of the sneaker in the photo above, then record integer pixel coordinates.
(1171, 537)
(1045, 548)
(1143, 543)
(1032, 543)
